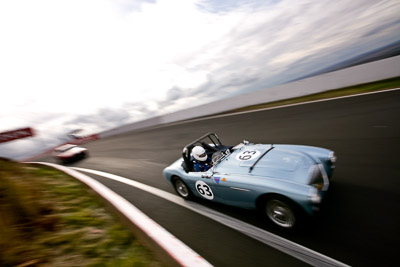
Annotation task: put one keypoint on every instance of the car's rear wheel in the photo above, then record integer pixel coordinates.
(181, 188)
(281, 212)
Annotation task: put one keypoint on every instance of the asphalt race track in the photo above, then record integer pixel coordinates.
(359, 223)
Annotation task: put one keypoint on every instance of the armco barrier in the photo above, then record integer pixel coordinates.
(370, 72)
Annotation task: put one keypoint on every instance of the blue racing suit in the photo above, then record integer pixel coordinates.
(202, 166)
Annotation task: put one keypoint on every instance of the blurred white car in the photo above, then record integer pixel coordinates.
(69, 153)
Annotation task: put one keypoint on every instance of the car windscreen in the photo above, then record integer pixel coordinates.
(64, 148)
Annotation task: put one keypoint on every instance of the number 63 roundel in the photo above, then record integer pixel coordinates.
(204, 190)
(248, 155)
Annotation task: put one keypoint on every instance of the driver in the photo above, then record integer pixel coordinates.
(202, 162)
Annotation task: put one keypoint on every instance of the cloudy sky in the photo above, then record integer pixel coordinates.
(98, 64)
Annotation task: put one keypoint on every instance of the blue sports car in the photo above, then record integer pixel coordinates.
(282, 181)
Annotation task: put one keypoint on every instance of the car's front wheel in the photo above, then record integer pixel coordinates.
(281, 212)
(181, 188)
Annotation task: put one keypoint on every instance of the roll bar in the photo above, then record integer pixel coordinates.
(203, 141)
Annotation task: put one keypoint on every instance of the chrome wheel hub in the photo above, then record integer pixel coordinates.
(280, 213)
(181, 188)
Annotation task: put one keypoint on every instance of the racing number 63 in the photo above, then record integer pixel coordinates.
(204, 190)
(247, 155)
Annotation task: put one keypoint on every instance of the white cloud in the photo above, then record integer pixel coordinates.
(66, 64)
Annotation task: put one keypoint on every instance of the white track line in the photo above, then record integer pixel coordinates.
(302, 253)
(277, 107)
(181, 253)
(305, 103)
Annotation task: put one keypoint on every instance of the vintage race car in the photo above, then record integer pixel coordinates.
(283, 181)
(69, 153)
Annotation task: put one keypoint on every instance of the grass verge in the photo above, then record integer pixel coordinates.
(50, 219)
(347, 91)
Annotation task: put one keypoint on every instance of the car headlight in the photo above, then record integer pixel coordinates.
(319, 179)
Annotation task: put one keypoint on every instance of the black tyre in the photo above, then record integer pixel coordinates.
(181, 188)
(281, 212)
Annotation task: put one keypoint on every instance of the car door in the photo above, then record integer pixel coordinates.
(203, 185)
(236, 185)
(234, 190)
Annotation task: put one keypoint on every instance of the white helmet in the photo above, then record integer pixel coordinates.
(199, 153)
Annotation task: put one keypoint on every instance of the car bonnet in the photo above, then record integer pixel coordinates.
(268, 161)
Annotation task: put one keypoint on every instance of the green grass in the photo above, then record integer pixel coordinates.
(50, 219)
(352, 90)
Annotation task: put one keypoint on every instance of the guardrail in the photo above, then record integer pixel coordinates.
(365, 73)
